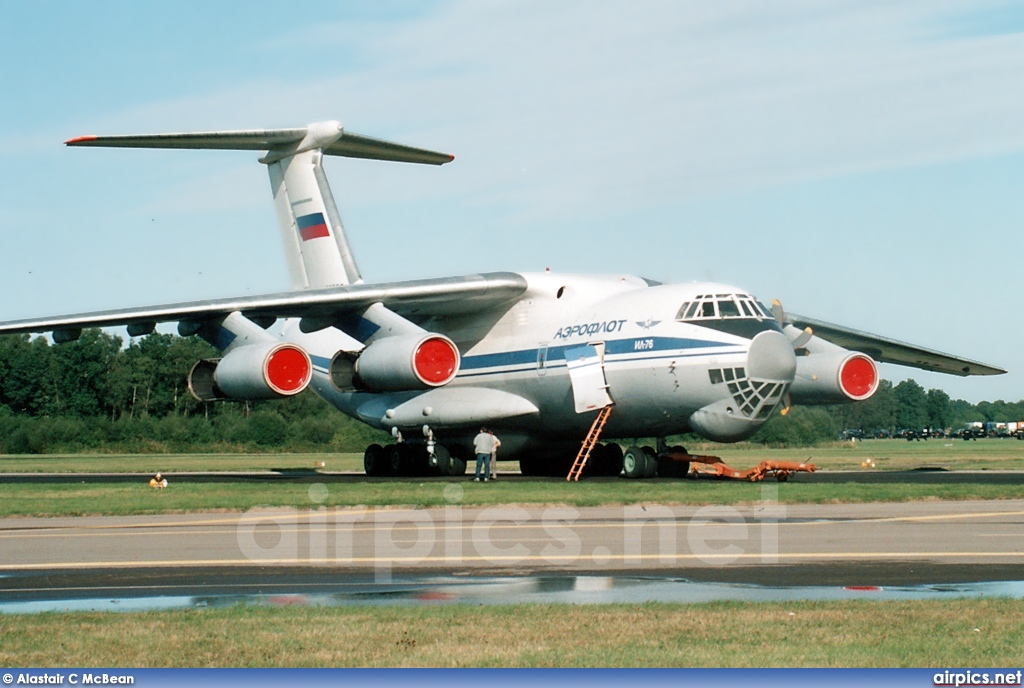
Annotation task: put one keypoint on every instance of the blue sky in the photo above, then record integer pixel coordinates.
(861, 161)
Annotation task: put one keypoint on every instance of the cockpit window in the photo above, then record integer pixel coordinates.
(728, 309)
(723, 306)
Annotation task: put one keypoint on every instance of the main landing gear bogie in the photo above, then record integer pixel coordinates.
(409, 459)
(644, 462)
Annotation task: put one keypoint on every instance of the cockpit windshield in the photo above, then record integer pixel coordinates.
(719, 306)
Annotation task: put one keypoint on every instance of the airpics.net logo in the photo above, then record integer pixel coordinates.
(960, 678)
(498, 537)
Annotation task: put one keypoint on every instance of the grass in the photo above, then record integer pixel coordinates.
(831, 634)
(952, 454)
(137, 497)
(123, 498)
(151, 463)
(987, 454)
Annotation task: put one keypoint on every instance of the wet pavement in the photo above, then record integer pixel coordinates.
(444, 590)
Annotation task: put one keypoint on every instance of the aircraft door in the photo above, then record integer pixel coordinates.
(586, 373)
(542, 360)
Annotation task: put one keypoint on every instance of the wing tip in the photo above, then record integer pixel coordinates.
(78, 140)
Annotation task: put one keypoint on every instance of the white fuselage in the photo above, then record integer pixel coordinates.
(656, 366)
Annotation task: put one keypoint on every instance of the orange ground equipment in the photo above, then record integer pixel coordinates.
(714, 466)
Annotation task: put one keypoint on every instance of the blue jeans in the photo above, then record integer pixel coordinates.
(483, 461)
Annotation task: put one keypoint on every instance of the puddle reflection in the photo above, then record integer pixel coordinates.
(518, 590)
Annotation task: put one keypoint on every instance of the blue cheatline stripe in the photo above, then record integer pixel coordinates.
(526, 359)
(562, 364)
(614, 347)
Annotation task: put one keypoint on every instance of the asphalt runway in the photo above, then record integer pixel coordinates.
(289, 550)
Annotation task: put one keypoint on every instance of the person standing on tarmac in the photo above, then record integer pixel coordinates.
(483, 445)
(494, 456)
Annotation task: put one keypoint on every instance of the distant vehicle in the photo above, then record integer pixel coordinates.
(970, 433)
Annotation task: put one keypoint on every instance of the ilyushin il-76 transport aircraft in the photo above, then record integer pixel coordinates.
(534, 356)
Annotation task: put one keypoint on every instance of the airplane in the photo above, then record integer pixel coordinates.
(534, 356)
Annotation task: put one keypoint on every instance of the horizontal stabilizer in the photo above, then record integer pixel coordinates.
(887, 350)
(330, 137)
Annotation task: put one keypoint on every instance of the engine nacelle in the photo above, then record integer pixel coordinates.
(834, 377)
(251, 373)
(404, 362)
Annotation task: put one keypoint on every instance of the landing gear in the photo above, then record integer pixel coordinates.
(408, 459)
(399, 459)
(374, 461)
(634, 463)
(670, 468)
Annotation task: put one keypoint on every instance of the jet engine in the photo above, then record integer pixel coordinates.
(400, 363)
(252, 372)
(833, 377)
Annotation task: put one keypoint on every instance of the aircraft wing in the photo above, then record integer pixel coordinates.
(888, 350)
(417, 298)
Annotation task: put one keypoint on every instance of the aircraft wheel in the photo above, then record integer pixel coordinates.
(596, 462)
(613, 460)
(457, 466)
(651, 469)
(398, 460)
(375, 460)
(634, 462)
(667, 468)
(442, 461)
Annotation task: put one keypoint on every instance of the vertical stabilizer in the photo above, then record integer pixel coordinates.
(315, 245)
(314, 239)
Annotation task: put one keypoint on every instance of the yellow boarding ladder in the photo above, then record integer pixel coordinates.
(588, 444)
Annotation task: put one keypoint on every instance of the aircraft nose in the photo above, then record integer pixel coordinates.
(771, 358)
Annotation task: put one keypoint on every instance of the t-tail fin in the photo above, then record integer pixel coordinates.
(315, 245)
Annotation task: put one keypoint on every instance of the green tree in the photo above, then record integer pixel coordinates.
(802, 426)
(940, 414)
(911, 405)
(24, 373)
(78, 374)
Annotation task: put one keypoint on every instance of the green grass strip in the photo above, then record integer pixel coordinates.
(979, 633)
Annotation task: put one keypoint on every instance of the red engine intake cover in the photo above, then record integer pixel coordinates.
(288, 370)
(436, 361)
(858, 377)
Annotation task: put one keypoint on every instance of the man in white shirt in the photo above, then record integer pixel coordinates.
(483, 444)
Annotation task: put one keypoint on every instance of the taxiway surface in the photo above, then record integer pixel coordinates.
(651, 538)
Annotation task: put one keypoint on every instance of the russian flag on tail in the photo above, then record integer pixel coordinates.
(312, 226)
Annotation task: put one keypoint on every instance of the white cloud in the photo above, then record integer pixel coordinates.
(569, 106)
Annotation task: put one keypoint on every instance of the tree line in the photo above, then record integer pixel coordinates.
(95, 394)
